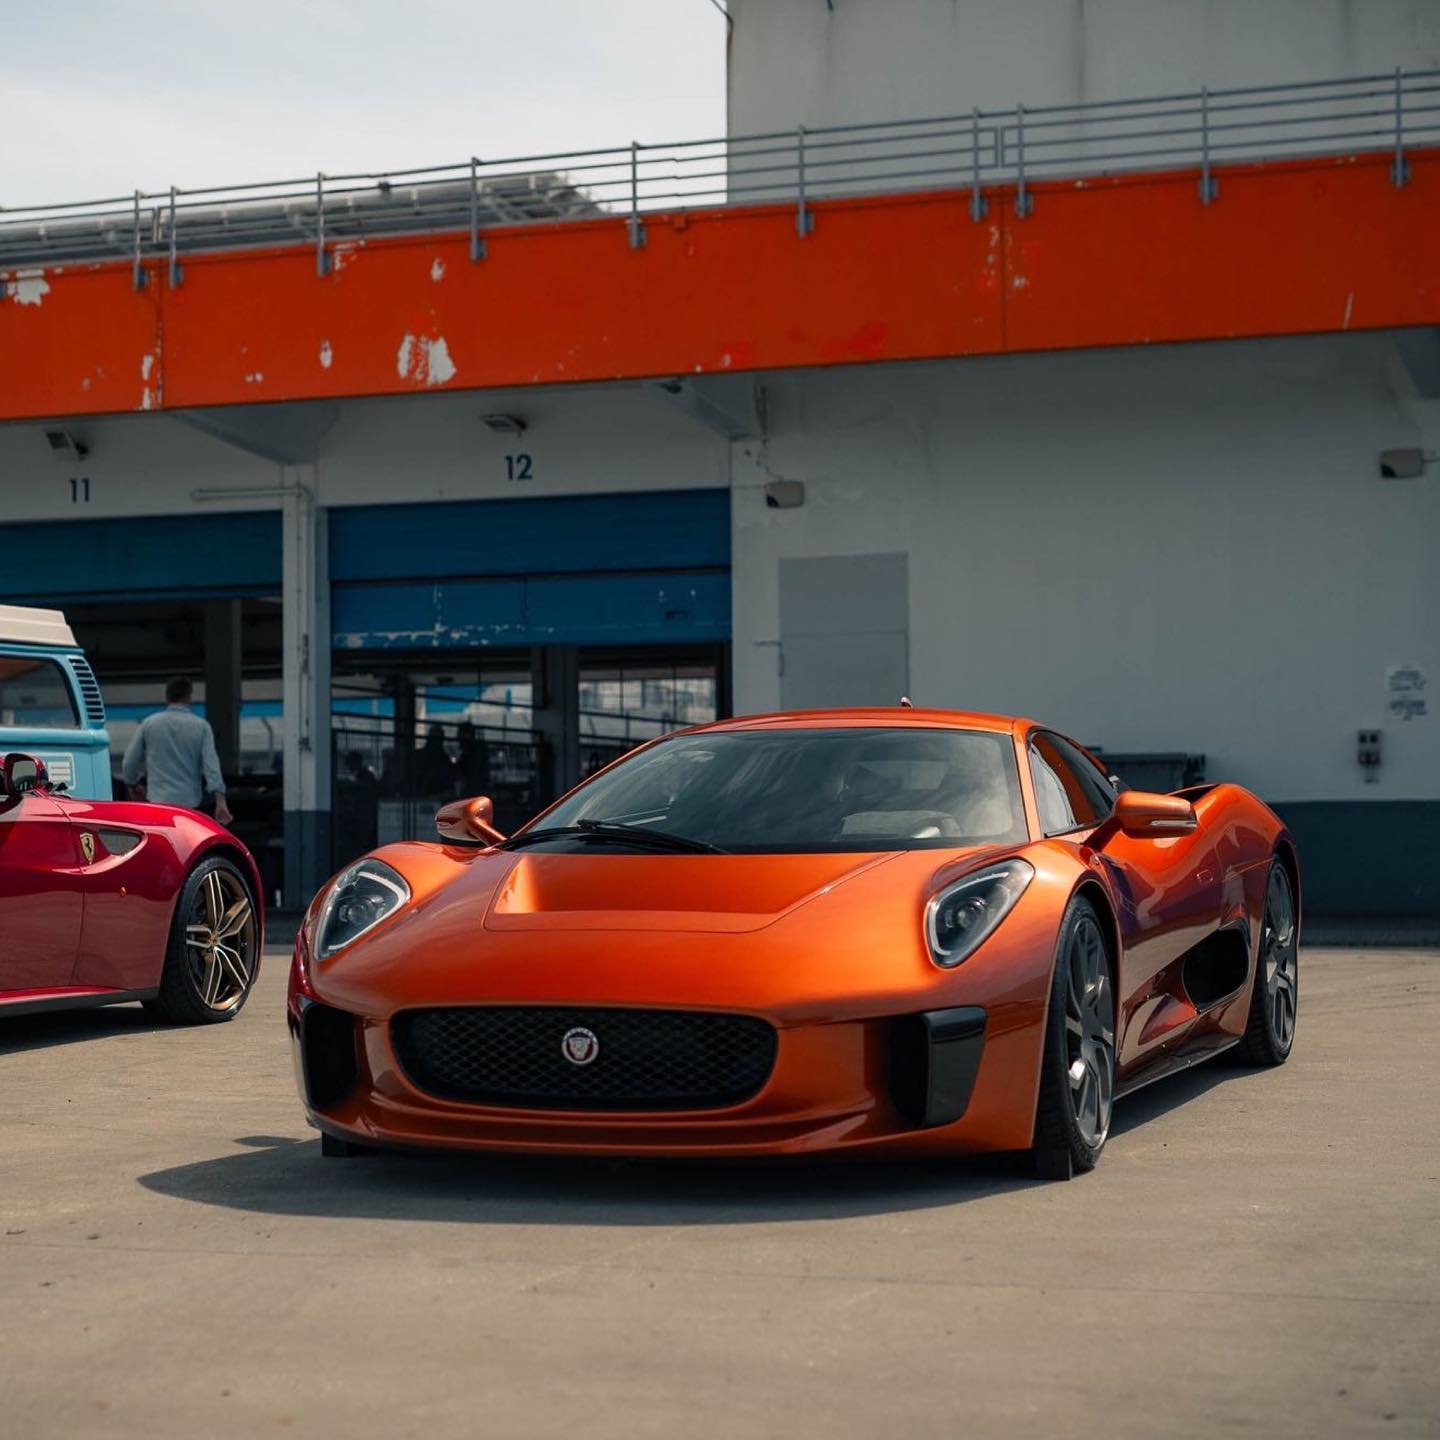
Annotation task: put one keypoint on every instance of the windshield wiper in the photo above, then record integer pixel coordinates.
(619, 832)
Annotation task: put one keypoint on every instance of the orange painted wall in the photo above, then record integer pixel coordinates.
(1286, 249)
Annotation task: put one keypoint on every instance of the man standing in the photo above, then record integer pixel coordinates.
(175, 749)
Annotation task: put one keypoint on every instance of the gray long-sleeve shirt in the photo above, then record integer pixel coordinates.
(174, 748)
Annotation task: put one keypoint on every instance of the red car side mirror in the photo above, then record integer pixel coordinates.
(471, 822)
(24, 772)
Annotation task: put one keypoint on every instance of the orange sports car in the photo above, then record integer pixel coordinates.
(866, 931)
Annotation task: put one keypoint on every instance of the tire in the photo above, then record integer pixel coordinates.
(213, 955)
(1072, 1118)
(1274, 993)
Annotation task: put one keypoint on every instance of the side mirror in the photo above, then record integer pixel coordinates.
(1151, 817)
(470, 822)
(24, 772)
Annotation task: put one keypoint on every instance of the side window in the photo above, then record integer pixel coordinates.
(1093, 781)
(1070, 793)
(1050, 797)
(34, 695)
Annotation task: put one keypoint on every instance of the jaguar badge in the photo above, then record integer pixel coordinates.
(580, 1046)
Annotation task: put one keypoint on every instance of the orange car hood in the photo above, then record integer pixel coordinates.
(715, 894)
(786, 934)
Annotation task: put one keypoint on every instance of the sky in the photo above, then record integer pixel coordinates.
(101, 97)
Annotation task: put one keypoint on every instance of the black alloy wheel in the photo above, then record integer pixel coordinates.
(1077, 1079)
(1274, 998)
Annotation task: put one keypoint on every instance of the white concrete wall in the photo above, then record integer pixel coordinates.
(1185, 548)
(603, 439)
(1175, 548)
(795, 62)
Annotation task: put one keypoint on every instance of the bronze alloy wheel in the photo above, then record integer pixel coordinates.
(220, 940)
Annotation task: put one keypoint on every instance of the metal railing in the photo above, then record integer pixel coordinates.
(1385, 113)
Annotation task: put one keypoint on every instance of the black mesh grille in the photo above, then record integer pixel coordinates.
(89, 691)
(644, 1059)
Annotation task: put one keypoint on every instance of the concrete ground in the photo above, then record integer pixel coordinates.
(1255, 1255)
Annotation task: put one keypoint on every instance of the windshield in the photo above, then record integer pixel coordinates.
(768, 791)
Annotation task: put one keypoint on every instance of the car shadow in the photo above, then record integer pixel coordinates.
(19, 1033)
(275, 1175)
(1173, 1092)
(289, 1177)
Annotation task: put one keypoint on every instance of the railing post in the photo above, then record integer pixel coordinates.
(175, 271)
(1209, 187)
(477, 245)
(637, 230)
(137, 274)
(1023, 202)
(321, 262)
(1400, 168)
(978, 204)
(804, 220)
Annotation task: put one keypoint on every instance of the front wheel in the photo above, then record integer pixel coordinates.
(1077, 1071)
(213, 956)
(1270, 1026)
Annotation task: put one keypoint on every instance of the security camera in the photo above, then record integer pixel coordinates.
(785, 494)
(1403, 464)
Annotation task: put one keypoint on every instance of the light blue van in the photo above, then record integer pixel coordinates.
(50, 703)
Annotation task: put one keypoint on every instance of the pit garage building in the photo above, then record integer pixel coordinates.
(1071, 360)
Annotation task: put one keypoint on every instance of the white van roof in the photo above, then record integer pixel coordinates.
(21, 625)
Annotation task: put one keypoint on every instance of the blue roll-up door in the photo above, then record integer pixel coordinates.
(646, 569)
(156, 557)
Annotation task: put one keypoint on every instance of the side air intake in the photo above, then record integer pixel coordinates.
(89, 690)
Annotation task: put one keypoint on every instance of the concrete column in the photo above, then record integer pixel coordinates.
(306, 632)
(223, 675)
(555, 672)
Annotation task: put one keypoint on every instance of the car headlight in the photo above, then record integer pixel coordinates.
(960, 917)
(359, 900)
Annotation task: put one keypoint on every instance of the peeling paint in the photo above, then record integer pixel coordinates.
(326, 354)
(441, 367)
(147, 364)
(147, 399)
(255, 377)
(437, 271)
(29, 287)
(423, 361)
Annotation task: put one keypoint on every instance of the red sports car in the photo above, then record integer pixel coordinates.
(874, 931)
(103, 902)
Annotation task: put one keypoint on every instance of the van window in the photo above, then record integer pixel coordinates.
(34, 695)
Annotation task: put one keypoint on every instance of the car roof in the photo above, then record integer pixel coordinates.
(23, 625)
(890, 717)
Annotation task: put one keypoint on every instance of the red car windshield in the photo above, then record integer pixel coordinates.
(786, 791)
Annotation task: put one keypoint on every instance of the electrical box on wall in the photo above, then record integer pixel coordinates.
(1367, 754)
